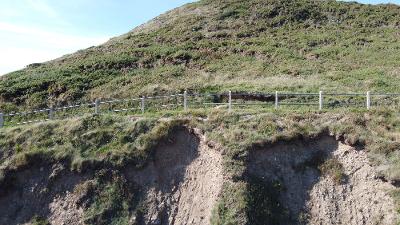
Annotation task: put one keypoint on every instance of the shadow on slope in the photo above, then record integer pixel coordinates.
(280, 177)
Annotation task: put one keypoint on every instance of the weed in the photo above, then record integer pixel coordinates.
(36, 220)
(334, 169)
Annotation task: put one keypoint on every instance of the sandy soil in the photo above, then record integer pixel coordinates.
(363, 199)
(183, 182)
(315, 199)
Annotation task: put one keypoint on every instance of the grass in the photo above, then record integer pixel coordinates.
(88, 140)
(263, 202)
(36, 220)
(333, 169)
(113, 202)
(233, 45)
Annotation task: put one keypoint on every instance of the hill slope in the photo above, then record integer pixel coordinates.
(255, 45)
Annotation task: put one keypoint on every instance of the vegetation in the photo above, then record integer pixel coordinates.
(211, 46)
(333, 169)
(264, 204)
(36, 220)
(114, 141)
(113, 202)
(376, 131)
(256, 45)
(84, 141)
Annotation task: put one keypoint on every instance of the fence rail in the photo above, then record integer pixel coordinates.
(185, 101)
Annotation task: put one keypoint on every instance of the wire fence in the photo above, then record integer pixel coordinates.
(186, 101)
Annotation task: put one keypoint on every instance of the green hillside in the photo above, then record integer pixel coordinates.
(206, 46)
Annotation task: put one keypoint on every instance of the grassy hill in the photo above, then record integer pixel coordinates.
(255, 45)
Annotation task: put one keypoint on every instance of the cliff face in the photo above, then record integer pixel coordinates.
(183, 181)
(180, 184)
(255, 45)
(347, 191)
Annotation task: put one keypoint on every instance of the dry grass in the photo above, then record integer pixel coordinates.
(333, 169)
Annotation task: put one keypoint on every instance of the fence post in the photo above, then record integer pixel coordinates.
(230, 102)
(368, 100)
(185, 100)
(142, 104)
(97, 106)
(321, 100)
(276, 100)
(51, 113)
(1, 120)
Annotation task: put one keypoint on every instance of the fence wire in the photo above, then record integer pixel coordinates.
(187, 101)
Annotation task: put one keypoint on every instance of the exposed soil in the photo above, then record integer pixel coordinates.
(45, 191)
(311, 198)
(182, 182)
(181, 185)
(364, 199)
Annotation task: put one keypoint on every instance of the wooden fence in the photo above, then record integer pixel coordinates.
(187, 101)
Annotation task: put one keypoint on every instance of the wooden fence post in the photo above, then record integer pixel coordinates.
(368, 100)
(51, 113)
(230, 102)
(185, 101)
(276, 100)
(142, 103)
(97, 106)
(1, 120)
(321, 100)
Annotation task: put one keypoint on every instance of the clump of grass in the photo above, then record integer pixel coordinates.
(222, 215)
(333, 169)
(263, 205)
(396, 196)
(230, 209)
(37, 220)
(113, 202)
(315, 162)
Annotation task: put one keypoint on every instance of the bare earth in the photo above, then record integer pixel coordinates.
(314, 199)
(363, 199)
(183, 182)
